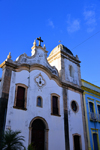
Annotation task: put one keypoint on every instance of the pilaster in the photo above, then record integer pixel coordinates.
(66, 127)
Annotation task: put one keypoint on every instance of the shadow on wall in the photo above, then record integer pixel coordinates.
(3, 110)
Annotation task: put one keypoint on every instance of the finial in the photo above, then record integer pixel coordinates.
(44, 46)
(34, 43)
(59, 41)
(9, 56)
(77, 57)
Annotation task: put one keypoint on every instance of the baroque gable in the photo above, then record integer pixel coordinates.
(38, 58)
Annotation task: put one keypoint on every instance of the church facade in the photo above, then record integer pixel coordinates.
(44, 98)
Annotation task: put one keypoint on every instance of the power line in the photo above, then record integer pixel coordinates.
(86, 40)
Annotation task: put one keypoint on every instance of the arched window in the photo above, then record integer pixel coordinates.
(39, 101)
(55, 108)
(91, 107)
(71, 71)
(92, 111)
(77, 142)
(20, 96)
(55, 105)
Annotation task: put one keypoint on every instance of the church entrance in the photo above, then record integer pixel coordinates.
(38, 134)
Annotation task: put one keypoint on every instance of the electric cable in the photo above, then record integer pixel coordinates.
(85, 40)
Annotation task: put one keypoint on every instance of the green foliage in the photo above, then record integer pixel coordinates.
(11, 140)
(31, 147)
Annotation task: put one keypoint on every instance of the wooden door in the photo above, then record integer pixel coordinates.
(38, 134)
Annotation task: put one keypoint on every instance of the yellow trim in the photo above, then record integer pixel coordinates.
(90, 83)
(97, 101)
(97, 137)
(90, 98)
(89, 146)
(89, 90)
(91, 95)
(94, 129)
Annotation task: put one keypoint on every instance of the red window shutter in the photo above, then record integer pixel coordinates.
(55, 104)
(20, 97)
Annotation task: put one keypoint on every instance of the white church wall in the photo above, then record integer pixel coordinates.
(75, 119)
(20, 119)
(56, 63)
(73, 79)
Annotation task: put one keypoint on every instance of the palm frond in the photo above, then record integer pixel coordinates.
(12, 140)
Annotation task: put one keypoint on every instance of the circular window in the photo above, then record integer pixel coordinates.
(74, 106)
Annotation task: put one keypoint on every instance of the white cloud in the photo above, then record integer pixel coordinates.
(90, 19)
(50, 23)
(72, 25)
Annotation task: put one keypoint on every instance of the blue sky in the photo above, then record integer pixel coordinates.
(72, 22)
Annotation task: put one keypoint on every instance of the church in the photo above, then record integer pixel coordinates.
(43, 98)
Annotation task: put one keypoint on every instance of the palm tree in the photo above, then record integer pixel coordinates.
(31, 147)
(11, 140)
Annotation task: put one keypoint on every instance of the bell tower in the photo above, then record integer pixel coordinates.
(68, 67)
(67, 64)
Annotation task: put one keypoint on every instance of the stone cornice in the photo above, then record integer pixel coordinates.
(51, 76)
(18, 68)
(77, 88)
(7, 63)
(60, 53)
(71, 57)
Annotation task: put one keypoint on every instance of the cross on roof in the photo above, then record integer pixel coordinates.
(40, 40)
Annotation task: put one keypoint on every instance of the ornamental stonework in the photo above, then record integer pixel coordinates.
(40, 81)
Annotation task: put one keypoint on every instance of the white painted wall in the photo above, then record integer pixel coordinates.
(75, 119)
(56, 63)
(74, 79)
(20, 119)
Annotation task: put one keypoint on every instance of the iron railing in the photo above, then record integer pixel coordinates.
(94, 116)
